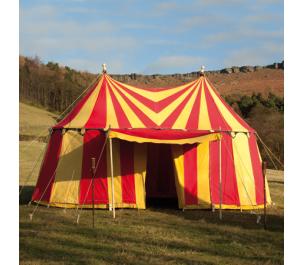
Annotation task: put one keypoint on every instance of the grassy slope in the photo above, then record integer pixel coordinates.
(34, 121)
(152, 236)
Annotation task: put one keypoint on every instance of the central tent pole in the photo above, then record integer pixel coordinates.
(220, 175)
(112, 174)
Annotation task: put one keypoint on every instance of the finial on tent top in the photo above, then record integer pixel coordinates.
(104, 69)
(202, 70)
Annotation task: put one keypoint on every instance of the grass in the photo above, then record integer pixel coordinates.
(151, 236)
(34, 121)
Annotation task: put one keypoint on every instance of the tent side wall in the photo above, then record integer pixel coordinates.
(65, 178)
(197, 174)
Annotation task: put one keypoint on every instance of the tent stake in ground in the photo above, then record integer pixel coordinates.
(93, 187)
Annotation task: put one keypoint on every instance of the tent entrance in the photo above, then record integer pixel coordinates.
(160, 179)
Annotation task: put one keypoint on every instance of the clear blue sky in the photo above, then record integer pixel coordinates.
(152, 36)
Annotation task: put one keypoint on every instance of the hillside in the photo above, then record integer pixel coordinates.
(34, 121)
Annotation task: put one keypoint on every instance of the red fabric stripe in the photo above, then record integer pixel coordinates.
(93, 144)
(97, 118)
(47, 172)
(193, 120)
(141, 115)
(216, 119)
(190, 174)
(170, 120)
(257, 169)
(235, 115)
(127, 172)
(230, 193)
(75, 110)
(121, 117)
(156, 106)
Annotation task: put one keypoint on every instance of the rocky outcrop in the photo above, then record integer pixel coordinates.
(190, 76)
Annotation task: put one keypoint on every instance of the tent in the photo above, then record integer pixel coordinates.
(185, 142)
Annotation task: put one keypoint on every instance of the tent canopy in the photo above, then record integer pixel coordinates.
(190, 113)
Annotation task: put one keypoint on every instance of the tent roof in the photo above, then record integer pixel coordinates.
(191, 110)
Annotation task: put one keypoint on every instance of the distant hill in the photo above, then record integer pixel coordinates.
(55, 87)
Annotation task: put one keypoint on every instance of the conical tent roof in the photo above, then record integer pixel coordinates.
(183, 112)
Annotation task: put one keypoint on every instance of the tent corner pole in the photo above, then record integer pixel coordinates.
(220, 175)
(93, 169)
(264, 190)
(112, 174)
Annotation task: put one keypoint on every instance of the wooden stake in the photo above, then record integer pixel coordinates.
(264, 190)
(112, 175)
(93, 187)
(220, 176)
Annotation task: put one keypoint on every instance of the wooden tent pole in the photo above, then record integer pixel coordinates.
(112, 175)
(220, 175)
(93, 187)
(264, 190)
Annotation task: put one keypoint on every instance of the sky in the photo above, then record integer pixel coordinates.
(152, 37)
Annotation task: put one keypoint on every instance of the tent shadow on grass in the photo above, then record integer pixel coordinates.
(26, 194)
(244, 219)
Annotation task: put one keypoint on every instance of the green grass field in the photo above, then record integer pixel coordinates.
(151, 236)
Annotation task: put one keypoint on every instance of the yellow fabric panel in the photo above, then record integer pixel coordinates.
(161, 116)
(68, 174)
(140, 155)
(82, 117)
(177, 152)
(111, 118)
(244, 171)
(204, 122)
(131, 116)
(154, 95)
(203, 173)
(182, 119)
(228, 117)
(131, 138)
(117, 174)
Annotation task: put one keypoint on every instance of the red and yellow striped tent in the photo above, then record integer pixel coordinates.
(184, 142)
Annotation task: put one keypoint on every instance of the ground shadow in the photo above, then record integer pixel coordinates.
(26, 194)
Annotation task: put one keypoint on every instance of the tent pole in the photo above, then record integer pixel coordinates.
(112, 175)
(220, 175)
(264, 190)
(93, 187)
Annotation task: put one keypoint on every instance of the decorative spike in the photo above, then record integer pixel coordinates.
(78, 218)
(104, 68)
(30, 216)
